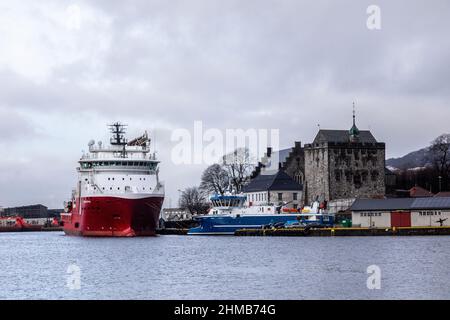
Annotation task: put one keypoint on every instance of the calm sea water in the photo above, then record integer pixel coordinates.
(34, 266)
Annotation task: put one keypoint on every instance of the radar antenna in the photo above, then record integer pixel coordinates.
(118, 134)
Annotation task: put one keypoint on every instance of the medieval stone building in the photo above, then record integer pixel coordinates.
(290, 160)
(341, 164)
(337, 165)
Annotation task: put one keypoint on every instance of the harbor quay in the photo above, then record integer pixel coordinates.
(337, 185)
(346, 232)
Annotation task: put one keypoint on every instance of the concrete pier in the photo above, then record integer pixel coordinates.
(346, 232)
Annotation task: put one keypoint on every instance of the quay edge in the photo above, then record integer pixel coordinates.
(346, 232)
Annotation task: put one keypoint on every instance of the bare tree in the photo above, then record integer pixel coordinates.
(194, 200)
(215, 180)
(239, 167)
(440, 157)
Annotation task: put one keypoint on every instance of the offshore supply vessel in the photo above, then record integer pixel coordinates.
(229, 214)
(118, 193)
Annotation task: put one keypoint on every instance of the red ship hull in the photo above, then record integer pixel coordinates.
(113, 217)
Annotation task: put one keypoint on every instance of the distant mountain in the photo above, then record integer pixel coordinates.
(412, 160)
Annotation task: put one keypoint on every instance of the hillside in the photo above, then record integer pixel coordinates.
(413, 159)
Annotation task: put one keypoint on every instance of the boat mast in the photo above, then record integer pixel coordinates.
(118, 136)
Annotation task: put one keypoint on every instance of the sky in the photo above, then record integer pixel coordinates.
(69, 68)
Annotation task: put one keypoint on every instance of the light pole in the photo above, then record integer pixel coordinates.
(179, 196)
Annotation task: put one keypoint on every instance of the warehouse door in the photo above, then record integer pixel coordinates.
(401, 219)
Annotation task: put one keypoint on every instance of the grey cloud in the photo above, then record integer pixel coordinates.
(267, 64)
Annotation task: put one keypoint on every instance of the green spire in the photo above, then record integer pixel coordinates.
(354, 131)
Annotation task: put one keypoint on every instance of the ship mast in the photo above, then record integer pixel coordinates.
(118, 136)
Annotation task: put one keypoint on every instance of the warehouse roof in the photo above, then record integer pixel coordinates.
(400, 204)
(431, 203)
(381, 204)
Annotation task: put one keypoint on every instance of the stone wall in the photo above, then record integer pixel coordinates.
(316, 173)
(294, 164)
(357, 171)
(346, 170)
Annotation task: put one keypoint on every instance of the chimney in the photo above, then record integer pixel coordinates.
(298, 144)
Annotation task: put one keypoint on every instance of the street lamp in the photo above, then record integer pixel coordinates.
(440, 183)
(179, 196)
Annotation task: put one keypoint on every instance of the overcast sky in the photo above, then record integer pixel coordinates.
(68, 68)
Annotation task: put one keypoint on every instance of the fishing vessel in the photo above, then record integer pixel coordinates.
(229, 214)
(118, 193)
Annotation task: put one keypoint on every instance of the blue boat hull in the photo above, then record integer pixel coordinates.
(227, 225)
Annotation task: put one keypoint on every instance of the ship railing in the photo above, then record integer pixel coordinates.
(118, 155)
(131, 149)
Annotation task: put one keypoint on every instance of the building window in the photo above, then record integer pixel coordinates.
(364, 176)
(337, 175)
(280, 196)
(357, 180)
(374, 175)
(294, 196)
(348, 176)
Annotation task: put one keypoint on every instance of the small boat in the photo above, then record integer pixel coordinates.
(229, 214)
(16, 224)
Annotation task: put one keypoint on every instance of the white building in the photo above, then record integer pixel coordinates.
(401, 212)
(274, 188)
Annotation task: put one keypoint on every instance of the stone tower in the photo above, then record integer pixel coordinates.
(342, 164)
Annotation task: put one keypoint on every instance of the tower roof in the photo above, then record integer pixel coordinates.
(341, 136)
(354, 131)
